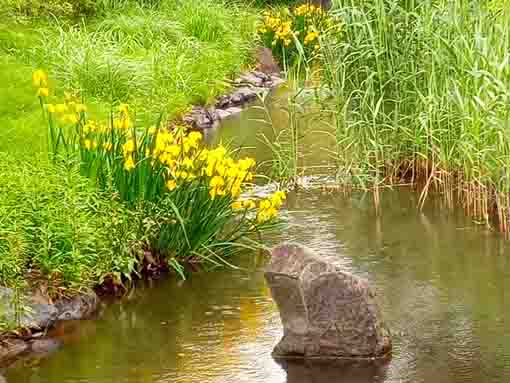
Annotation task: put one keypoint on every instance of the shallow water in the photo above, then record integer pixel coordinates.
(441, 282)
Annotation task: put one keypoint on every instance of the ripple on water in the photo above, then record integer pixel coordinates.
(442, 291)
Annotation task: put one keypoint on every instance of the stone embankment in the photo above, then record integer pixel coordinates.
(246, 89)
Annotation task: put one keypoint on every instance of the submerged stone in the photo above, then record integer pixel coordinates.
(80, 307)
(326, 312)
(44, 346)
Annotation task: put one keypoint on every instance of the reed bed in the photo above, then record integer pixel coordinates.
(419, 92)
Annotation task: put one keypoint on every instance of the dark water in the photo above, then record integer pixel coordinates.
(442, 283)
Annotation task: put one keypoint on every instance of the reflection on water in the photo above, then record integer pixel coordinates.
(247, 131)
(441, 282)
(316, 372)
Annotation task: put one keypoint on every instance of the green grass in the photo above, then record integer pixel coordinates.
(163, 59)
(54, 222)
(158, 58)
(20, 113)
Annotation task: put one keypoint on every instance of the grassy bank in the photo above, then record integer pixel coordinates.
(159, 57)
(95, 188)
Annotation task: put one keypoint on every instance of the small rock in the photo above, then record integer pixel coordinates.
(247, 94)
(236, 99)
(80, 307)
(201, 118)
(263, 76)
(34, 315)
(213, 114)
(234, 110)
(276, 81)
(251, 79)
(44, 346)
(224, 102)
(222, 114)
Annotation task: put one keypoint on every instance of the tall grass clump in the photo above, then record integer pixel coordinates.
(420, 93)
(162, 58)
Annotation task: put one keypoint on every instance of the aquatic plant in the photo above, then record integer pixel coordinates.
(289, 32)
(190, 195)
(419, 94)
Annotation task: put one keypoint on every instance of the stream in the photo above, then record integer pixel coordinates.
(441, 281)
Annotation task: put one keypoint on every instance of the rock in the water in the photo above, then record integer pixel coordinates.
(80, 307)
(251, 79)
(223, 114)
(201, 118)
(44, 346)
(233, 111)
(326, 312)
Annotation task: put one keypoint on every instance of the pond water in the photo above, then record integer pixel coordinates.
(441, 282)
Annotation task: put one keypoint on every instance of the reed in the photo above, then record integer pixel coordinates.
(419, 92)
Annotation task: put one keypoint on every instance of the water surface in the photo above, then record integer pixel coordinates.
(441, 280)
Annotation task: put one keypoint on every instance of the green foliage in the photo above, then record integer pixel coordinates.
(297, 31)
(165, 59)
(56, 223)
(188, 194)
(160, 57)
(35, 8)
(419, 91)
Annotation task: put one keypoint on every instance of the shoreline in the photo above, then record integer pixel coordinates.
(45, 314)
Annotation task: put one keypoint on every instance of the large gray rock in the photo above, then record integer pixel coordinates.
(326, 312)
